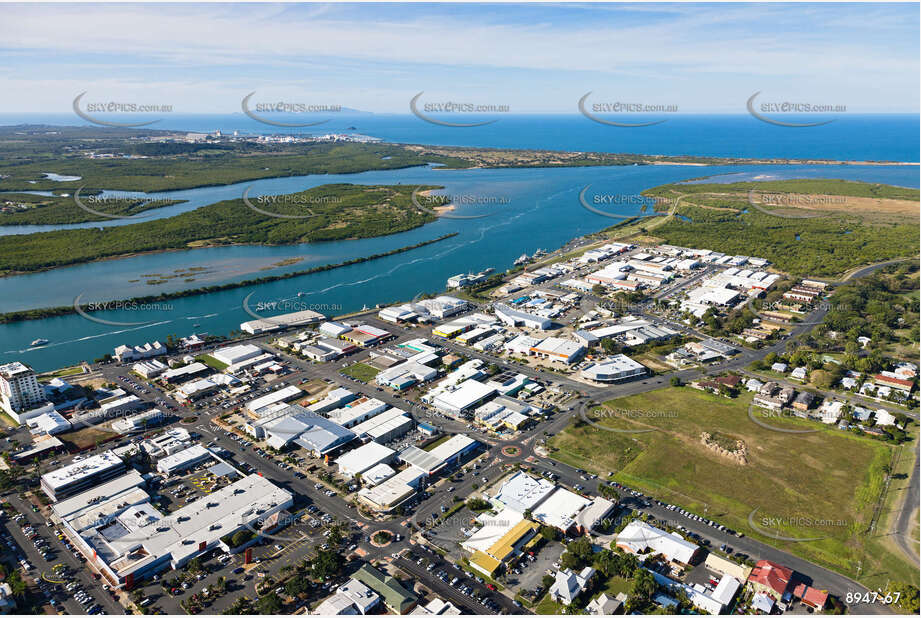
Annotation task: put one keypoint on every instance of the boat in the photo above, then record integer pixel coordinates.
(524, 259)
(39, 342)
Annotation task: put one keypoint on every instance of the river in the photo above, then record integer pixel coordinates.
(528, 208)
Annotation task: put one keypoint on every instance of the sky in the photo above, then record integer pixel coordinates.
(533, 58)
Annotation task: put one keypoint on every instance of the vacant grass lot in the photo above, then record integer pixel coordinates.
(795, 480)
(361, 371)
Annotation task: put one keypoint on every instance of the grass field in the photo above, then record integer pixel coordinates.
(212, 362)
(361, 371)
(824, 484)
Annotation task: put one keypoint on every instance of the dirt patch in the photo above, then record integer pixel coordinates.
(725, 446)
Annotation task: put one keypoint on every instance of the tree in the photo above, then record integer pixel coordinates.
(326, 564)
(675, 381)
(549, 533)
(546, 581)
(269, 604)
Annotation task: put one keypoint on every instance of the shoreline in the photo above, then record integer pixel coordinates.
(41, 313)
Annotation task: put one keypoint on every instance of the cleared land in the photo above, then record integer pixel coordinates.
(832, 479)
(361, 371)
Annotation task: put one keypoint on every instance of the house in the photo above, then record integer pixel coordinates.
(753, 385)
(770, 578)
(779, 367)
(848, 383)
(638, 536)
(891, 380)
(798, 374)
(816, 599)
(762, 603)
(606, 606)
(803, 401)
(568, 585)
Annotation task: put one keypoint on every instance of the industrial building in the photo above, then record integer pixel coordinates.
(558, 349)
(363, 458)
(386, 426)
(394, 491)
(506, 549)
(614, 369)
(514, 317)
(444, 456)
(357, 412)
(463, 397)
(278, 322)
(282, 395)
(234, 354)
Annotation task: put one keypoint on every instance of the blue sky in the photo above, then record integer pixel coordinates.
(532, 57)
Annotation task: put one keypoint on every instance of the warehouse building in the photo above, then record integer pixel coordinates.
(614, 369)
(463, 397)
(558, 349)
(363, 458)
(514, 317)
(357, 412)
(282, 395)
(232, 355)
(278, 322)
(444, 456)
(386, 426)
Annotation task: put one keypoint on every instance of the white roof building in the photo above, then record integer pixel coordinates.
(234, 354)
(638, 536)
(613, 369)
(183, 460)
(285, 394)
(357, 412)
(560, 509)
(377, 474)
(364, 457)
(568, 585)
(522, 492)
(463, 397)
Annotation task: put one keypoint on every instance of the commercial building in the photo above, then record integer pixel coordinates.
(234, 354)
(559, 509)
(463, 397)
(20, 393)
(365, 335)
(391, 493)
(125, 539)
(594, 514)
(505, 550)
(522, 492)
(398, 599)
(125, 353)
(139, 422)
(558, 349)
(48, 423)
(183, 460)
(386, 426)
(404, 375)
(363, 458)
(514, 317)
(149, 368)
(184, 373)
(278, 322)
(282, 395)
(443, 306)
(446, 455)
(377, 475)
(351, 598)
(568, 585)
(614, 369)
(357, 412)
(293, 423)
(638, 537)
(81, 475)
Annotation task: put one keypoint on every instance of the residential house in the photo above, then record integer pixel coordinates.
(606, 606)
(770, 578)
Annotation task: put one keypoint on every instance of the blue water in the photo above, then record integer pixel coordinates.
(542, 211)
(859, 137)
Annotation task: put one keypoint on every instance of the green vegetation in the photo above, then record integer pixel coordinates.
(821, 246)
(361, 371)
(212, 362)
(35, 314)
(883, 307)
(836, 477)
(340, 212)
(29, 209)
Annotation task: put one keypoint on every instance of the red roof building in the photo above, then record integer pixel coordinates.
(770, 578)
(898, 383)
(815, 599)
